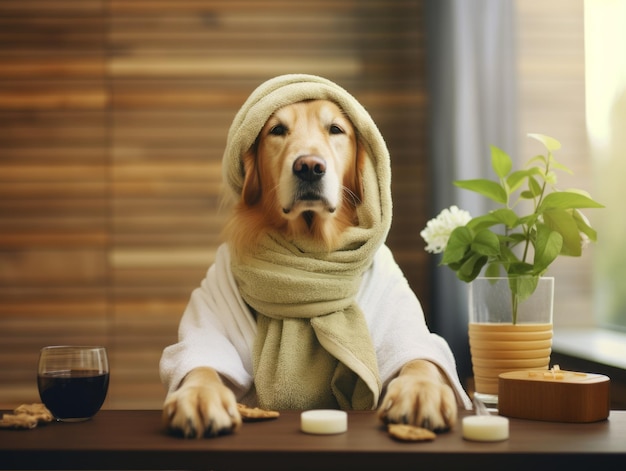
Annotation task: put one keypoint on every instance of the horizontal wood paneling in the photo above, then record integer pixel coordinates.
(113, 120)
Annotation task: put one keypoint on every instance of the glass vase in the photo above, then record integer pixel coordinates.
(507, 335)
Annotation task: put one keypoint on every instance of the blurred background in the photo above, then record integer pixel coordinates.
(113, 119)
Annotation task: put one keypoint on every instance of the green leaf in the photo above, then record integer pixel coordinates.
(529, 220)
(506, 216)
(567, 200)
(486, 243)
(458, 244)
(549, 142)
(516, 238)
(471, 268)
(559, 166)
(550, 177)
(577, 191)
(500, 162)
(519, 268)
(534, 186)
(583, 226)
(508, 257)
(542, 159)
(488, 188)
(516, 179)
(493, 270)
(523, 286)
(548, 245)
(563, 222)
(483, 222)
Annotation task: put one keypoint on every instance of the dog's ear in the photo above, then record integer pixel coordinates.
(251, 192)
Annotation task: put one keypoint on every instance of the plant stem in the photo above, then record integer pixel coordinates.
(538, 203)
(514, 304)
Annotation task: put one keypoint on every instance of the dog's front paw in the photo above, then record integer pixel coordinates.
(201, 411)
(420, 402)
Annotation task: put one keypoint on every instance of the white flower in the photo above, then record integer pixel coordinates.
(438, 230)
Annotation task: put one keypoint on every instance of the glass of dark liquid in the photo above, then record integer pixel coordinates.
(73, 381)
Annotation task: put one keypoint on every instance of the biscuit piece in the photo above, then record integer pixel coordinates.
(37, 410)
(254, 413)
(18, 421)
(410, 433)
(26, 416)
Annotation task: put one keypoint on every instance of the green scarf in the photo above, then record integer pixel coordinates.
(313, 347)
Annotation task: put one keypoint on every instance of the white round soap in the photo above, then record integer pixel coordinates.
(485, 428)
(324, 421)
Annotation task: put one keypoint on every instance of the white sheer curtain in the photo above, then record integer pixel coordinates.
(472, 86)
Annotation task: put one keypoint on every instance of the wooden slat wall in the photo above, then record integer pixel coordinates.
(113, 119)
(54, 188)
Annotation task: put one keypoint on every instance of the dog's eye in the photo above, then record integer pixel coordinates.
(278, 130)
(334, 129)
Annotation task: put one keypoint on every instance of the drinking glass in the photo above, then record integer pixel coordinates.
(73, 380)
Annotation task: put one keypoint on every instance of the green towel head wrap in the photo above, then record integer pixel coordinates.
(313, 347)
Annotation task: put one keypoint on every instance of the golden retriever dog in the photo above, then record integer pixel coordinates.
(303, 178)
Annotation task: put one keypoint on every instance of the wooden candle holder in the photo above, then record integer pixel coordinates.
(554, 395)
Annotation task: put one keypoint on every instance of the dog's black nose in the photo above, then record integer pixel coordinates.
(309, 168)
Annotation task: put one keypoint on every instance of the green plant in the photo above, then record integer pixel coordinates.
(523, 246)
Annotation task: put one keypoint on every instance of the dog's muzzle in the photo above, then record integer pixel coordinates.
(309, 171)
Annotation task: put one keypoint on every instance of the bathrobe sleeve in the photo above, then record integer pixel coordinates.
(397, 324)
(217, 330)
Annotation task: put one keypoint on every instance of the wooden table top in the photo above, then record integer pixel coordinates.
(124, 439)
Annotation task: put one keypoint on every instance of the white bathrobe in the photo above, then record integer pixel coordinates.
(218, 330)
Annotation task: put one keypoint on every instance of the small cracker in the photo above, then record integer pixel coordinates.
(26, 416)
(37, 410)
(255, 413)
(410, 433)
(18, 421)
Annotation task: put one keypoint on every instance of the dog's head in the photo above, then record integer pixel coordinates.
(304, 160)
(303, 173)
